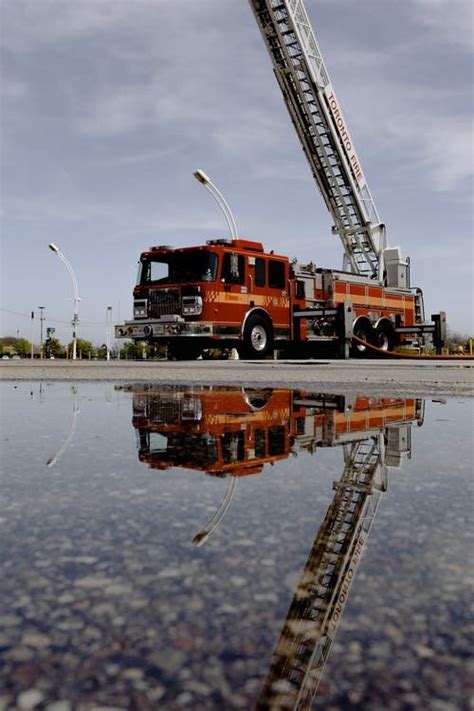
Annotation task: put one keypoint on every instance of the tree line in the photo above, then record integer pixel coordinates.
(9, 345)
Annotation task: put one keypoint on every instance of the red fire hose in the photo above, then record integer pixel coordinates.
(393, 354)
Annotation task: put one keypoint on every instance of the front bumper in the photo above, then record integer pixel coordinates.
(155, 329)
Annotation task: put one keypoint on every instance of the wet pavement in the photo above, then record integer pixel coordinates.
(377, 376)
(234, 548)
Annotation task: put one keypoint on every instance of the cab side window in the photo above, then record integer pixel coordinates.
(300, 291)
(260, 277)
(276, 274)
(233, 268)
(276, 441)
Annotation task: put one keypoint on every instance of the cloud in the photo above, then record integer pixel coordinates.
(33, 23)
(417, 131)
(139, 78)
(13, 90)
(410, 123)
(442, 148)
(450, 21)
(68, 210)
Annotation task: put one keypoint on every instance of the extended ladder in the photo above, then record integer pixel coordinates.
(316, 115)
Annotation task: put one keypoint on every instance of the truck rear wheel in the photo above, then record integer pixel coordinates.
(385, 337)
(365, 332)
(258, 338)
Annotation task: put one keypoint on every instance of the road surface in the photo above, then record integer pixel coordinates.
(433, 377)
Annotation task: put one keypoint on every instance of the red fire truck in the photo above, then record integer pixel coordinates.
(234, 293)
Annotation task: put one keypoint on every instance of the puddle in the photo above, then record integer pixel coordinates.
(221, 548)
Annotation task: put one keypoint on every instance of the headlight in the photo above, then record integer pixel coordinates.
(140, 309)
(191, 409)
(192, 305)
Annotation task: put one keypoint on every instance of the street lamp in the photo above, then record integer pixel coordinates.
(75, 318)
(204, 179)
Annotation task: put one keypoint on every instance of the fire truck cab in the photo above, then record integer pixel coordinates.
(227, 293)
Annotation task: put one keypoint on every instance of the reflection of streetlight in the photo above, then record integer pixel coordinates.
(72, 428)
(75, 318)
(204, 179)
(202, 535)
(107, 333)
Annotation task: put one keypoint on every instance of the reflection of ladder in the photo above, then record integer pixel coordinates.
(316, 115)
(310, 626)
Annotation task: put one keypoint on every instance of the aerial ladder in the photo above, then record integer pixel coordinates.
(310, 627)
(316, 114)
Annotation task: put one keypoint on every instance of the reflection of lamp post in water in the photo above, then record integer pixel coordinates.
(75, 318)
(202, 535)
(204, 179)
(72, 428)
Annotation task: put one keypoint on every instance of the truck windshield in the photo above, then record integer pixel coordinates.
(179, 267)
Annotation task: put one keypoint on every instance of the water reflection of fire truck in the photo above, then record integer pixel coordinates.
(229, 431)
(236, 432)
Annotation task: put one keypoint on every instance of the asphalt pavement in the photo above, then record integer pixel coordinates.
(427, 377)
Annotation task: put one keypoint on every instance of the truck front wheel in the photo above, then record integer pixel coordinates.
(258, 338)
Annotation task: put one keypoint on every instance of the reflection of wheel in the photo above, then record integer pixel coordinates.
(364, 331)
(258, 337)
(385, 337)
(257, 399)
(184, 351)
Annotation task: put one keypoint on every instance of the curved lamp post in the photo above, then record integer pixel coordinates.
(204, 179)
(75, 318)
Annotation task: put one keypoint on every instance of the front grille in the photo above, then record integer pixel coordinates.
(163, 411)
(164, 302)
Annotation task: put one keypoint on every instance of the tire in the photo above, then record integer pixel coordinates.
(364, 331)
(257, 398)
(385, 337)
(258, 338)
(184, 351)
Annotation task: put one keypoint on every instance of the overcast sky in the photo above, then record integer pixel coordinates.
(108, 106)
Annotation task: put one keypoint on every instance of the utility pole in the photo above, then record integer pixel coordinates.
(107, 334)
(32, 333)
(41, 308)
